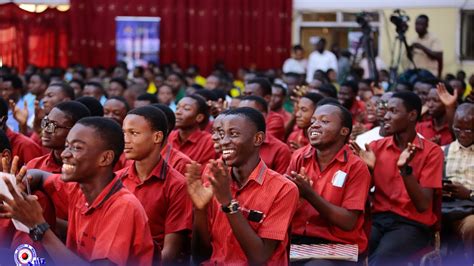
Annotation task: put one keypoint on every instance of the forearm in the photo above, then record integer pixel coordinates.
(58, 252)
(174, 247)
(252, 245)
(38, 178)
(419, 198)
(201, 248)
(338, 216)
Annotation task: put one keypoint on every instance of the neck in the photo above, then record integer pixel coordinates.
(241, 173)
(39, 96)
(327, 154)
(439, 121)
(95, 185)
(145, 167)
(402, 138)
(57, 156)
(421, 35)
(184, 133)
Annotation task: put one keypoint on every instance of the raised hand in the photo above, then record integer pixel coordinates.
(220, 181)
(368, 156)
(199, 194)
(445, 97)
(39, 115)
(407, 155)
(20, 115)
(12, 168)
(302, 181)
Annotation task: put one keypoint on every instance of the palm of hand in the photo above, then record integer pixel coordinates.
(200, 195)
(368, 157)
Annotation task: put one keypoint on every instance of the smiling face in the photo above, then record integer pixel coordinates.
(326, 127)
(140, 139)
(304, 113)
(115, 109)
(55, 140)
(84, 153)
(239, 140)
(216, 127)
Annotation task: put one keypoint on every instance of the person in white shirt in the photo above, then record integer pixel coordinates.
(297, 63)
(320, 59)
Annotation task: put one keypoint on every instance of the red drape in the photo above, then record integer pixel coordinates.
(236, 32)
(29, 38)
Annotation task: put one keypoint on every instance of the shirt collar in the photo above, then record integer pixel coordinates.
(194, 137)
(114, 186)
(257, 175)
(417, 141)
(456, 146)
(159, 172)
(341, 155)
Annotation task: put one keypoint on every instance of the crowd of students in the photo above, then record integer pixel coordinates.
(164, 166)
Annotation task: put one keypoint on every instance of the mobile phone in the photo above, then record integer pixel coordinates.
(255, 216)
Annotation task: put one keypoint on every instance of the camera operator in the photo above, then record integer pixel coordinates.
(426, 48)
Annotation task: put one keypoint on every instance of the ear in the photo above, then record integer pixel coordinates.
(158, 137)
(107, 158)
(413, 116)
(344, 131)
(258, 139)
(267, 98)
(199, 118)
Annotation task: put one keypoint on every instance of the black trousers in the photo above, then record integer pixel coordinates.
(394, 239)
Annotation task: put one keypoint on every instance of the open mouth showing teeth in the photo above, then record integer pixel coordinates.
(68, 167)
(315, 134)
(227, 153)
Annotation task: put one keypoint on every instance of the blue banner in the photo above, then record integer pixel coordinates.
(137, 40)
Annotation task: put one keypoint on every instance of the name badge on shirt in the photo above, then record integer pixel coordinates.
(339, 178)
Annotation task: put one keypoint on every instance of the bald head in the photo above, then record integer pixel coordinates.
(463, 124)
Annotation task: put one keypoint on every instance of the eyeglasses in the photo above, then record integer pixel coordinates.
(459, 130)
(382, 104)
(50, 126)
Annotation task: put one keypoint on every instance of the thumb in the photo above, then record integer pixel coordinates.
(367, 147)
(25, 105)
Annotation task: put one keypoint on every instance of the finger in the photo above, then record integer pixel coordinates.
(25, 105)
(12, 189)
(293, 174)
(14, 167)
(303, 172)
(5, 165)
(12, 105)
(7, 200)
(21, 174)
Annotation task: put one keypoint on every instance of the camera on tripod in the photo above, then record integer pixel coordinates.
(400, 19)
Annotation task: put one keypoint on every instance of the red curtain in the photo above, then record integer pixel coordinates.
(236, 32)
(29, 38)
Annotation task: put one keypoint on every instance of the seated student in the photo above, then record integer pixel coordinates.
(275, 123)
(243, 217)
(145, 99)
(159, 187)
(332, 182)
(92, 104)
(273, 152)
(304, 113)
(276, 102)
(116, 88)
(459, 171)
(406, 171)
(441, 107)
(347, 97)
(22, 146)
(96, 90)
(165, 96)
(107, 224)
(188, 137)
(172, 156)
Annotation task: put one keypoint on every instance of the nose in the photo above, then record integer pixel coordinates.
(224, 140)
(66, 154)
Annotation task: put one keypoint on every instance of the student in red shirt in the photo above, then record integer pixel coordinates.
(438, 128)
(172, 156)
(273, 152)
(188, 137)
(107, 224)
(22, 146)
(407, 171)
(347, 97)
(275, 123)
(276, 102)
(333, 184)
(304, 113)
(243, 216)
(160, 188)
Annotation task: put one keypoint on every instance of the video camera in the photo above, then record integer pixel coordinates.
(363, 19)
(400, 19)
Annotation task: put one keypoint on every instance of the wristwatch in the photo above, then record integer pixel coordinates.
(37, 232)
(406, 170)
(232, 208)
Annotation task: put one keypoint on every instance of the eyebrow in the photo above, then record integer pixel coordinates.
(76, 140)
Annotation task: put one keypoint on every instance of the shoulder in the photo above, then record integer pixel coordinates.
(277, 182)
(36, 162)
(431, 148)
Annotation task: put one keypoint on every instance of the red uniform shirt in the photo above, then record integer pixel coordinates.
(285, 114)
(114, 227)
(275, 154)
(122, 163)
(350, 194)
(265, 191)
(358, 111)
(45, 163)
(37, 139)
(23, 147)
(298, 137)
(164, 197)
(199, 146)
(390, 192)
(175, 158)
(275, 125)
(428, 131)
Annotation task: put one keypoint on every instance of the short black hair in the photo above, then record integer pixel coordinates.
(94, 105)
(15, 80)
(44, 78)
(411, 101)
(78, 81)
(4, 142)
(203, 108)
(120, 99)
(65, 88)
(95, 84)
(259, 100)
(220, 93)
(109, 132)
(280, 87)
(75, 110)
(345, 115)
(120, 81)
(351, 84)
(297, 47)
(254, 116)
(3, 107)
(209, 95)
(328, 89)
(423, 16)
(264, 84)
(147, 97)
(155, 117)
(169, 115)
(328, 101)
(314, 97)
